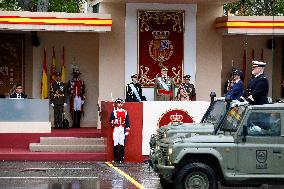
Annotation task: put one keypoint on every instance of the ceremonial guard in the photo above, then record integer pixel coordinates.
(119, 121)
(164, 89)
(76, 91)
(186, 90)
(258, 87)
(18, 93)
(237, 88)
(58, 99)
(134, 90)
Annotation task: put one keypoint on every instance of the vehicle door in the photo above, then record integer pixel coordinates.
(262, 152)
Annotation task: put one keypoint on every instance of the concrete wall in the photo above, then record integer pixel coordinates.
(81, 49)
(111, 54)
(209, 51)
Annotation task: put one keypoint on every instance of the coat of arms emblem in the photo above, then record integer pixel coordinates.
(160, 48)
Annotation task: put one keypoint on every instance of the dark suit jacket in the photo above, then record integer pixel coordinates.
(236, 91)
(58, 93)
(14, 95)
(130, 95)
(259, 88)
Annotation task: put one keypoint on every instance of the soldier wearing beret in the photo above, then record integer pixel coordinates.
(119, 121)
(76, 90)
(134, 90)
(257, 91)
(186, 90)
(238, 86)
(164, 89)
(58, 99)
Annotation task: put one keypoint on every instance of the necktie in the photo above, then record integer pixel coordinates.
(18, 95)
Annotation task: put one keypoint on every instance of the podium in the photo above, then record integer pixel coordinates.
(24, 116)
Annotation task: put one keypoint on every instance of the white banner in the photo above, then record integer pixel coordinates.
(153, 112)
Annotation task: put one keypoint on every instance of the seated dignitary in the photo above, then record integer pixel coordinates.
(238, 87)
(18, 93)
(186, 90)
(257, 91)
(134, 90)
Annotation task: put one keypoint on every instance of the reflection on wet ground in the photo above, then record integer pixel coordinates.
(82, 175)
(74, 175)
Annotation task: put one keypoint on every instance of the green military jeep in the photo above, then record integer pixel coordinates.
(212, 118)
(247, 149)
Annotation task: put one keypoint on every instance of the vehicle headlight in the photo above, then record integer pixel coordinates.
(157, 147)
(165, 134)
(169, 156)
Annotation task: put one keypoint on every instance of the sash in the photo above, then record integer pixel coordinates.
(134, 90)
(164, 85)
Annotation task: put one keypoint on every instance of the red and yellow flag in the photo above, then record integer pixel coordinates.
(53, 67)
(63, 68)
(44, 85)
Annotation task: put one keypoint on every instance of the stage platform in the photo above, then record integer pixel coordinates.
(15, 146)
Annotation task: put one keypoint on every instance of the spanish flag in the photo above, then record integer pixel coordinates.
(53, 67)
(63, 68)
(44, 85)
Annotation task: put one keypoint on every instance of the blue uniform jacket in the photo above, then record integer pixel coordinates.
(236, 91)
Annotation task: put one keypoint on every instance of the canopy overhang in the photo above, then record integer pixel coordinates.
(55, 21)
(250, 25)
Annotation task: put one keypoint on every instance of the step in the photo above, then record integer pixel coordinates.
(72, 141)
(38, 147)
(9, 154)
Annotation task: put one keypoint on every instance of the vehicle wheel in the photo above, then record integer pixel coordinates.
(166, 184)
(196, 176)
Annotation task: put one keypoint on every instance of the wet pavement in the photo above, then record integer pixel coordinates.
(80, 175)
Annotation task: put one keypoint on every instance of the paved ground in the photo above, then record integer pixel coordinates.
(79, 175)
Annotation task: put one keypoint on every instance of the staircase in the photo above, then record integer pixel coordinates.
(69, 144)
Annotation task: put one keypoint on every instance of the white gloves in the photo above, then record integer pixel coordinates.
(83, 102)
(220, 98)
(127, 133)
(52, 104)
(255, 128)
(64, 104)
(238, 103)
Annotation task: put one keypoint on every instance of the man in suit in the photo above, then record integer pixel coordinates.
(76, 90)
(186, 90)
(258, 86)
(164, 89)
(58, 99)
(238, 87)
(134, 90)
(18, 92)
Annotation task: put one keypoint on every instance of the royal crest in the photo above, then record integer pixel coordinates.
(261, 156)
(160, 48)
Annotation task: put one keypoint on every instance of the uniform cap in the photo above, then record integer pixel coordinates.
(186, 77)
(134, 76)
(239, 73)
(119, 100)
(258, 64)
(76, 71)
(58, 74)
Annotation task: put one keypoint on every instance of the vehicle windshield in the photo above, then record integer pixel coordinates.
(233, 118)
(215, 113)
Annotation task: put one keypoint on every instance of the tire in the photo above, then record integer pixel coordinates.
(196, 176)
(166, 184)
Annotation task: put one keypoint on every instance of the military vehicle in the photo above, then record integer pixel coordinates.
(246, 150)
(211, 119)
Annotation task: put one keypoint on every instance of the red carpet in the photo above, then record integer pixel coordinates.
(15, 147)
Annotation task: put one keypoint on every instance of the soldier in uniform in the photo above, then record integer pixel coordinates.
(119, 121)
(186, 90)
(164, 89)
(258, 87)
(58, 99)
(134, 90)
(238, 87)
(76, 91)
